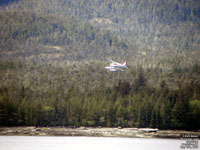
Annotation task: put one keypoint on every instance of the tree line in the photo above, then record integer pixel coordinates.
(40, 95)
(52, 63)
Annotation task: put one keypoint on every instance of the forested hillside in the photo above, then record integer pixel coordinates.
(29, 34)
(157, 32)
(52, 59)
(87, 95)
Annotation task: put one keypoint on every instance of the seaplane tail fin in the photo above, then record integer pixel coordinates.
(125, 63)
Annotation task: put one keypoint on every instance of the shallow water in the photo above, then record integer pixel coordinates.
(86, 143)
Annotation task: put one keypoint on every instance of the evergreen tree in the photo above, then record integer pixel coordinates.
(180, 116)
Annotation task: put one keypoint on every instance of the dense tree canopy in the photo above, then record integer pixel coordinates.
(52, 59)
(43, 95)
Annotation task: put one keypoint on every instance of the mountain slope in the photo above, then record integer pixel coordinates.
(52, 59)
(158, 32)
(31, 34)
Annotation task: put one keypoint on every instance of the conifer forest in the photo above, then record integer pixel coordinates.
(53, 54)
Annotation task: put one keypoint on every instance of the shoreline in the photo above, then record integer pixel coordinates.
(96, 132)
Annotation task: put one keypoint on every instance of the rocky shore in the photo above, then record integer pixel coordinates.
(88, 131)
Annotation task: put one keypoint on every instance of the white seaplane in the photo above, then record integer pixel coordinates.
(115, 66)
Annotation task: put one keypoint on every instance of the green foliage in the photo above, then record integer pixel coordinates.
(149, 33)
(66, 37)
(195, 113)
(180, 115)
(52, 73)
(43, 95)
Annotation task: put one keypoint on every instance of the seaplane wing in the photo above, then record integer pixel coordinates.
(110, 60)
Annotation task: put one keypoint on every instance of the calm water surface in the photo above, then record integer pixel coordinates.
(86, 143)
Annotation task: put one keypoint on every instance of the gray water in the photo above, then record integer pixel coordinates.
(86, 143)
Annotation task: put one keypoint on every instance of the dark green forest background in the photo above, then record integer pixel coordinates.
(52, 59)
